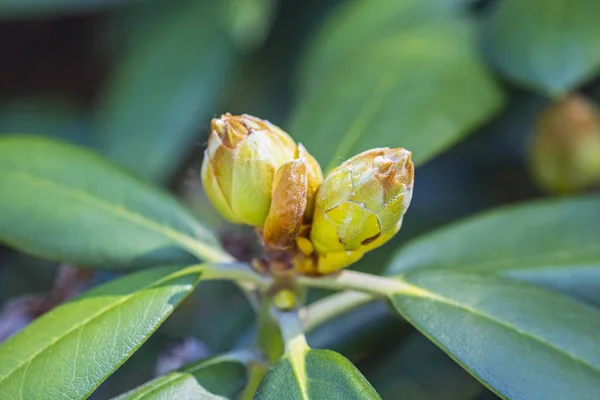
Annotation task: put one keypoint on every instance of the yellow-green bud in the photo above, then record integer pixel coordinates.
(255, 174)
(565, 151)
(239, 165)
(284, 300)
(358, 207)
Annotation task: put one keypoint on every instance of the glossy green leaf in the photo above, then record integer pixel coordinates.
(356, 25)
(315, 374)
(550, 45)
(554, 243)
(414, 366)
(141, 367)
(64, 203)
(422, 89)
(217, 378)
(165, 88)
(69, 351)
(522, 341)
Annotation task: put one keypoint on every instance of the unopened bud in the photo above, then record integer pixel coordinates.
(239, 166)
(565, 151)
(284, 300)
(359, 207)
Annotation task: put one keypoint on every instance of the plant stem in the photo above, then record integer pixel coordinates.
(240, 272)
(268, 339)
(358, 281)
(256, 372)
(207, 253)
(217, 255)
(291, 329)
(332, 306)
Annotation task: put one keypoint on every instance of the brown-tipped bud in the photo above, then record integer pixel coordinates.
(243, 155)
(565, 151)
(358, 207)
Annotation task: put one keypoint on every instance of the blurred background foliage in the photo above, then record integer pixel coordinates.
(461, 83)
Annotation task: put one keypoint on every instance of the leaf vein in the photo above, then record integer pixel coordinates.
(81, 324)
(195, 246)
(417, 291)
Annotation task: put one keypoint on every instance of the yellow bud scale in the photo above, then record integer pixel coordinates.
(255, 174)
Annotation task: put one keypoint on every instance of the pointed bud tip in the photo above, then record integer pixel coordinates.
(397, 159)
(219, 126)
(231, 129)
(399, 155)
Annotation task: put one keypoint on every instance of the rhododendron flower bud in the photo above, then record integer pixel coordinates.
(565, 152)
(239, 166)
(358, 207)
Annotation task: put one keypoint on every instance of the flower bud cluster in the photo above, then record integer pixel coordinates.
(255, 174)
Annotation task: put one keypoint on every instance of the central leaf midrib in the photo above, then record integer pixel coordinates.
(192, 244)
(175, 376)
(84, 322)
(592, 251)
(422, 292)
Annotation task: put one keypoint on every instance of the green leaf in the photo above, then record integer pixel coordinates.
(314, 374)
(522, 341)
(411, 369)
(549, 45)
(553, 243)
(357, 24)
(164, 89)
(216, 378)
(69, 351)
(64, 203)
(422, 89)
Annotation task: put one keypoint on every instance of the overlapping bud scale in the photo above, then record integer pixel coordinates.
(255, 174)
(359, 207)
(248, 163)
